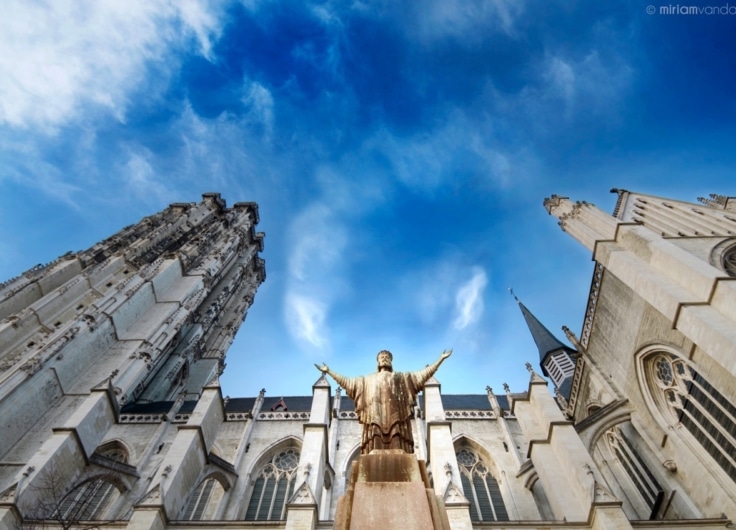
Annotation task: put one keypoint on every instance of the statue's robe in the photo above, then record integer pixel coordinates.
(383, 403)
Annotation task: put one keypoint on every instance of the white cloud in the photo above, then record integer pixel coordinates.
(469, 300)
(305, 320)
(61, 60)
(318, 242)
(585, 84)
(459, 147)
(561, 78)
(140, 177)
(446, 291)
(432, 289)
(469, 21)
(259, 101)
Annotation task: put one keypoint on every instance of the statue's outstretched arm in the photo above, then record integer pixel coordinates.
(422, 376)
(339, 379)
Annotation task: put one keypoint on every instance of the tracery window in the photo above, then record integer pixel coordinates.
(729, 261)
(481, 488)
(636, 469)
(199, 500)
(89, 499)
(688, 399)
(273, 487)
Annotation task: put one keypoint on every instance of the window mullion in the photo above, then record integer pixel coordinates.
(712, 421)
(490, 498)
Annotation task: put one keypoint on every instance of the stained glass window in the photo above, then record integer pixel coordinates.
(481, 488)
(273, 487)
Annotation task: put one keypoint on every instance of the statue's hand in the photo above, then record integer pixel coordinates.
(324, 368)
(446, 354)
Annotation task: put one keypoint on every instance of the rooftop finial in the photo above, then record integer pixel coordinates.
(511, 290)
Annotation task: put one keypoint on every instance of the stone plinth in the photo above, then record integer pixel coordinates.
(390, 489)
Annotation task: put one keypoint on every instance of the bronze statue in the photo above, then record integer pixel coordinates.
(383, 401)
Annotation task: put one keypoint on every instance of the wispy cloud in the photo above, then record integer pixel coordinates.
(469, 300)
(469, 21)
(586, 83)
(62, 60)
(460, 148)
(142, 179)
(259, 102)
(318, 242)
(306, 320)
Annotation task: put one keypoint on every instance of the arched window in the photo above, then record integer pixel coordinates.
(684, 397)
(196, 508)
(481, 488)
(636, 470)
(89, 499)
(729, 261)
(273, 487)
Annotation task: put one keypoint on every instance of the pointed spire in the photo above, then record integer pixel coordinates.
(543, 338)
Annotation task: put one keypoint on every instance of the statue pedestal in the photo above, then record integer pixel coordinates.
(389, 489)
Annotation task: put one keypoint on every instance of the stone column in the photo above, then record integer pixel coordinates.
(302, 510)
(442, 460)
(63, 458)
(181, 469)
(566, 470)
(237, 493)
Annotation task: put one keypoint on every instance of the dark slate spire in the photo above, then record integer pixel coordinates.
(545, 341)
(553, 354)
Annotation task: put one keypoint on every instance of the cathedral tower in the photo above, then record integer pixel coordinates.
(145, 316)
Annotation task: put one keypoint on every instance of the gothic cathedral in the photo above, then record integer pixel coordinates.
(111, 412)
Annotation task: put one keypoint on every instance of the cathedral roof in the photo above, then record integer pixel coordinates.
(240, 404)
(465, 402)
(155, 407)
(468, 401)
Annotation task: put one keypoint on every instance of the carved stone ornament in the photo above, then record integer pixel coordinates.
(8, 496)
(153, 497)
(453, 495)
(670, 465)
(602, 494)
(303, 496)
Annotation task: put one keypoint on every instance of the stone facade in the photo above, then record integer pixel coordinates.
(111, 410)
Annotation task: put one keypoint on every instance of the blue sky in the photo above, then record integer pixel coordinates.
(399, 152)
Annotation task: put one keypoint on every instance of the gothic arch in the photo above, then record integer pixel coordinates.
(348, 463)
(620, 415)
(116, 449)
(621, 453)
(211, 472)
(723, 256)
(482, 482)
(480, 448)
(204, 498)
(268, 452)
(685, 404)
(90, 498)
(272, 480)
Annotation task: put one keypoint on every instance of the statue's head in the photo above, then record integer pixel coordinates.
(384, 359)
